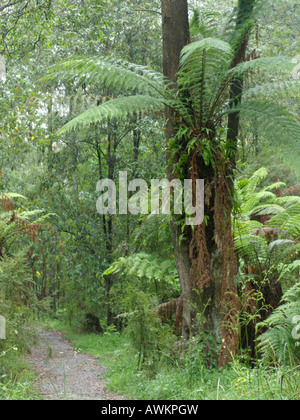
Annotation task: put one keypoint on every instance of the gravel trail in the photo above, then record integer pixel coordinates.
(63, 373)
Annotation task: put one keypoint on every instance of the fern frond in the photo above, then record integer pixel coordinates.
(288, 200)
(119, 108)
(248, 186)
(204, 23)
(221, 52)
(203, 69)
(283, 88)
(278, 342)
(265, 65)
(275, 245)
(109, 72)
(279, 126)
(246, 227)
(288, 220)
(252, 248)
(275, 186)
(286, 270)
(145, 266)
(252, 203)
(267, 209)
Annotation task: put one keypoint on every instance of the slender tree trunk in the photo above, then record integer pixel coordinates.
(239, 40)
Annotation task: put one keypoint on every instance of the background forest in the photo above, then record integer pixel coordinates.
(114, 282)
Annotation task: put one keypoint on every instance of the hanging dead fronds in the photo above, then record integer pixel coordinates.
(6, 203)
(23, 226)
(230, 304)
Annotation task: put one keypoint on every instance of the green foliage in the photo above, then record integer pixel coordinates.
(150, 340)
(204, 23)
(278, 343)
(19, 295)
(15, 290)
(17, 381)
(278, 125)
(120, 108)
(77, 246)
(289, 218)
(119, 75)
(204, 80)
(269, 249)
(172, 381)
(147, 272)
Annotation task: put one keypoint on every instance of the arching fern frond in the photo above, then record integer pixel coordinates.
(204, 23)
(258, 202)
(278, 89)
(149, 268)
(111, 73)
(252, 204)
(221, 51)
(278, 125)
(119, 108)
(252, 248)
(289, 220)
(265, 65)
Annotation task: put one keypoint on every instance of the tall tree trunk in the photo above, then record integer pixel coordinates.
(175, 36)
(240, 38)
(206, 261)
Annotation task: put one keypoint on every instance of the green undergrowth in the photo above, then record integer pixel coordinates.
(17, 380)
(185, 378)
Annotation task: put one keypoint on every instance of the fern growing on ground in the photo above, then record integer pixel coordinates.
(267, 242)
(281, 341)
(273, 242)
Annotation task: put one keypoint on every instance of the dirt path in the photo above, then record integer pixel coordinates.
(65, 374)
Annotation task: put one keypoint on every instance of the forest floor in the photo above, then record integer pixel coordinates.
(65, 374)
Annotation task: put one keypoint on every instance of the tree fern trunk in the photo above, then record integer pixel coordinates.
(205, 261)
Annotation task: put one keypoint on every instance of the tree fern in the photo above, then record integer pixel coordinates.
(274, 243)
(278, 342)
(204, 65)
(204, 81)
